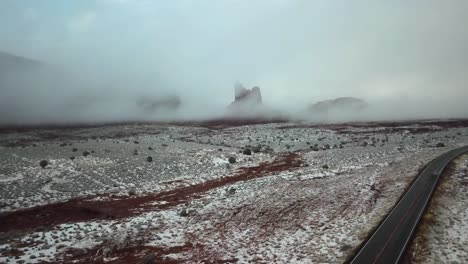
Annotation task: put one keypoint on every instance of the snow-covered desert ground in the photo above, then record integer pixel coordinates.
(138, 193)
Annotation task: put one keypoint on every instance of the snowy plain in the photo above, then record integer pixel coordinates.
(307, 193)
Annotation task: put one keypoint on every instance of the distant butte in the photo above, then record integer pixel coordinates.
(342, 104)
(246, 97)
(168, 103)
(12, 63)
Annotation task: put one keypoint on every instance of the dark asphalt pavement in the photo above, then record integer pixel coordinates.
(388, 243)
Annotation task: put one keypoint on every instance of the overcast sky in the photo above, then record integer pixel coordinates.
(297, 51)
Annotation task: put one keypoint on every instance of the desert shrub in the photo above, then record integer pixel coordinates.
(256, 149)
(43, 163)
(247, 151)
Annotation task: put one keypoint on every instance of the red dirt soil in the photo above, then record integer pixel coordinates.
(233, 122)
(390, 127)
(85, 209)
(133, 254)
(208, 123)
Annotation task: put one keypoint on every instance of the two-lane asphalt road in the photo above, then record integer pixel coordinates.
(388, 243)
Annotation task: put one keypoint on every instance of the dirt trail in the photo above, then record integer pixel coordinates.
(86, 209)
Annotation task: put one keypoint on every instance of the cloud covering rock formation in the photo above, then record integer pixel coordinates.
(244, 95)
(339, 104)
(12, 63)
(168, 103)
(247, 102)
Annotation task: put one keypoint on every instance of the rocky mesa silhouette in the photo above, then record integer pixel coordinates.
(246, 99)
(339, 104)
(11, 63)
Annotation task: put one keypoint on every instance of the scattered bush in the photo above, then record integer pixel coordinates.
(43, 163)
(231, 190)
(131, 189)
(256, 149)
(149, 159)
(247, 151)
(183, 213)
(86, 153)
(232, 160)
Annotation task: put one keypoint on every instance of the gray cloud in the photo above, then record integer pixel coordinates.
(407, 59)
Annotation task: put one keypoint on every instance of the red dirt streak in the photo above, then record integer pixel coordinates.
(85, 209)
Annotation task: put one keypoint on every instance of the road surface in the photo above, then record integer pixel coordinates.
(388, 243)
